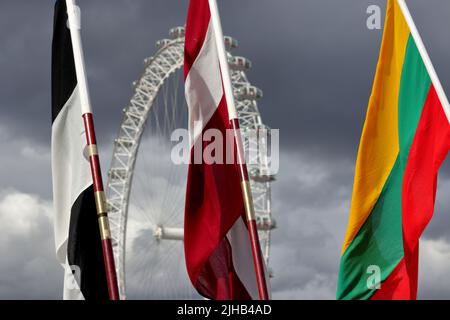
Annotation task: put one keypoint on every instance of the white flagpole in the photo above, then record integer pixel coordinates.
(245, 182)
(75, 31)
(425, 57)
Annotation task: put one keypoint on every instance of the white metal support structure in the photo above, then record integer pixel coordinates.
(158, 69)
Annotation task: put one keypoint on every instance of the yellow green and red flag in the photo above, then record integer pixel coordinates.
(405, 139)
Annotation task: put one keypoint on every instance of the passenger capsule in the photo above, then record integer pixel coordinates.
(249, 93)
(239, 63)
(162, 43)
(230, 43)
(177, 33)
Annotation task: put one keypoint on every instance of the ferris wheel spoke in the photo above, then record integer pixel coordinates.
(169, 197)
(167, 105)
(149, 176)
(144, 207)
(176, 85)
(143, 160)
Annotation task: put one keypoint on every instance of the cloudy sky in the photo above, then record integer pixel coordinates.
(315, 62)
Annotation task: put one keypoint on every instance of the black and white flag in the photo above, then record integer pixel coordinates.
(77, 235)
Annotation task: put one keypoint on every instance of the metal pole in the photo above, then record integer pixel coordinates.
(100, 200)
(425, 57)
(245, 182)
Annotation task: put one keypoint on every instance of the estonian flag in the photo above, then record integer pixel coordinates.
(77, 234)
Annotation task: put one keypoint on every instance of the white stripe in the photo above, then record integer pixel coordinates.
(70, 169)
(242, 257)
(203, 87)
(222, 56)
(426, 58)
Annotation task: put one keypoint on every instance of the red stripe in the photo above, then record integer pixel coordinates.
(93, 159)
(89, 127)
(96, 173)
(396, 286)
(196, 28)
(218, 279)
(108, 256)
(213, 204)
(428, 151)
(258, 260)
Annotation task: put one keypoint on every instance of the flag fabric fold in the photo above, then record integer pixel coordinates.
(405, 139)
(77, 235)
(217, 246)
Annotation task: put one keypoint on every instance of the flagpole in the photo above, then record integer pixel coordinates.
(86, 110)
(425, 57)
(245, 182)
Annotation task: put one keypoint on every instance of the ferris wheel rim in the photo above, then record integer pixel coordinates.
(158, 69)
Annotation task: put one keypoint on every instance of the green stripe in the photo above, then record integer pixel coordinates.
(380, 242)
(414, 89)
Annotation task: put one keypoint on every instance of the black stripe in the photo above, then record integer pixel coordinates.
(84, 248)
(64, 78)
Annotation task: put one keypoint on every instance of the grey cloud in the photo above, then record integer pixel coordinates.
(28, 269)
(315, 61)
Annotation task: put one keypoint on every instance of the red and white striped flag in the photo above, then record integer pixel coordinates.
(217, 246)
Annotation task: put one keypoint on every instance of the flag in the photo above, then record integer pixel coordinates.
(217, 245)
(77, 234)
(405, 139)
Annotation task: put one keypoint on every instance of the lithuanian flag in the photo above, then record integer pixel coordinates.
(405, 139)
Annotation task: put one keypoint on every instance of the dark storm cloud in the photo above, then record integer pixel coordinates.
(306, 247)
(315, 61)
(117, 37)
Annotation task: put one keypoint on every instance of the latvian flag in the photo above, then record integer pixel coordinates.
(217, 246)
(77, 235)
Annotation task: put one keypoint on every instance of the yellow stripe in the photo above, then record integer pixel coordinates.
(379, 144)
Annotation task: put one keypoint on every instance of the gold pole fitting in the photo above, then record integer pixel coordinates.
(105, 232)
(92, 150)
(100, 202)
(248, 200)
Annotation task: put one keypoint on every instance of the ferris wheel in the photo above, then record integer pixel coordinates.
(146, 190)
